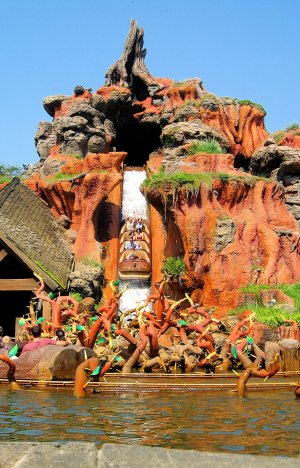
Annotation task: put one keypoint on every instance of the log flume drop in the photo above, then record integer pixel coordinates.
(134, 205)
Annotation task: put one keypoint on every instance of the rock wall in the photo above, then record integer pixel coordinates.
(236, 232)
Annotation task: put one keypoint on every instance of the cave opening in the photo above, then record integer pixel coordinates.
(138, 139)
(242, 162)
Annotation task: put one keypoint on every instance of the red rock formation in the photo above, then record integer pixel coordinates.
(288, 138)
(230, 236)
(78, 197)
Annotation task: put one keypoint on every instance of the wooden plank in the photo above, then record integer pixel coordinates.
(3, 254)
(24, 284)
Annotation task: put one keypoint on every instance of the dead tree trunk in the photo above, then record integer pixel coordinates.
(131, 64)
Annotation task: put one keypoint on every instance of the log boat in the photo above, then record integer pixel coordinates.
(140, 267)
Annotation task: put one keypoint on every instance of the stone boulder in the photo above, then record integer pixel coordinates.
(86, 280)
(51, 102)
(280, 162)
(44, 139)
(81, 128)
(180, 133)
(49, 363)
(224, 233)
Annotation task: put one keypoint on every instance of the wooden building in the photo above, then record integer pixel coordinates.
(31, 240)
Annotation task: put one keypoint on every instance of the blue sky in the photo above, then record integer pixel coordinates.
(247, 49)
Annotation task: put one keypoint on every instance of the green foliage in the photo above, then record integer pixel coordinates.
(49, 273)
(172, 182)
(92, 263)
(278, 136)
(208, 145)
(223, 177)
(77, 296)
(248, 180)
(292, 126)
(60, 177)
(272, 316)
(226, 101)
(169, 140)
(181, 83)
(4, 179)
(246, 102)
(10, 171)
(174, 267)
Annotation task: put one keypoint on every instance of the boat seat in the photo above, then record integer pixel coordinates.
(125, 236)
(145, 229)
(143, 255)
(142, 244)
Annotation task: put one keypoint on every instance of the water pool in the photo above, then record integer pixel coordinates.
(261, 423)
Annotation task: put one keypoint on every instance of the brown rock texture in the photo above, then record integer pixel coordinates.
(85, 183)
(230, 235)
(48, 363)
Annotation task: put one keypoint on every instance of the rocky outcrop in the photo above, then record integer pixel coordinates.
(50, 362)
(76, 191)
(87, 280)
(230, 234)
(181, 133)
(290, 137)
(79, 125)
(281, 163)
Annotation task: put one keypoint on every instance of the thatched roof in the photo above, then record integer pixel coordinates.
(30, 232)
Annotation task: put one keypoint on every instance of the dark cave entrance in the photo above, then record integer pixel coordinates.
(14, 303)
(138, 139)
(106, 221)
(241, 162)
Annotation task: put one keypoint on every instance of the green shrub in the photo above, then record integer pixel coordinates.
(169, 140)
(77, 296)
(4, 179)
(246, 102)
(174, 267)
(92, 263)
(292, 126)
(9, 171)
(208, 145)
(185, 82)
(60, 177)
(162, 181)
(223, 177)
(272, 316)
(278, 136)
(247, 180)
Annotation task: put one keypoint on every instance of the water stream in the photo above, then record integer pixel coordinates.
(134, 204)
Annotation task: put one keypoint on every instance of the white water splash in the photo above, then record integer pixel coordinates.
(135, 295)
(133, 204)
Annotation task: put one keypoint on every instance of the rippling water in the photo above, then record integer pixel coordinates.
(266, 424)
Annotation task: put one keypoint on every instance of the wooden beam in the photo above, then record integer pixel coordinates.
(3, 254)
(24, 284)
